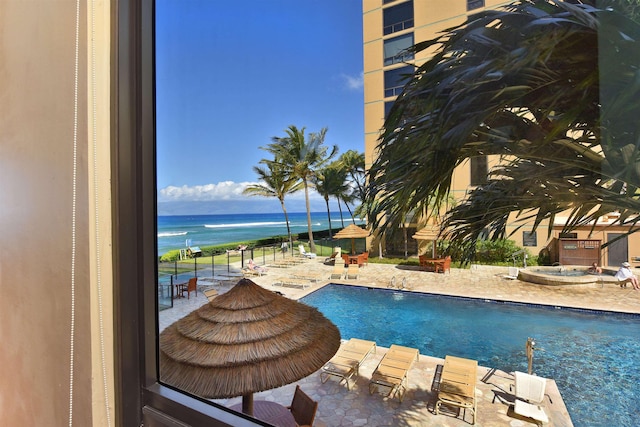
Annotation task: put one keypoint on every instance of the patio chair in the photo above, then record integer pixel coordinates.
(392, 371)
(347, 361)
(444, 266)
(303, 408)
(365, 258)
(188, 287)
(345, 258)
(338, 271)
(352, 271)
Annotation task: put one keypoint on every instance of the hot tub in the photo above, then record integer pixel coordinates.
(565, 275)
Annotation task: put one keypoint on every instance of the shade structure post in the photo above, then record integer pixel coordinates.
(247, 404)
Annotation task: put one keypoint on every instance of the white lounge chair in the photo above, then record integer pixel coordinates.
(305, 253)
(530, 392)
(513, 273)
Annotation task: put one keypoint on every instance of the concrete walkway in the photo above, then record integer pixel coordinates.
(340, 407)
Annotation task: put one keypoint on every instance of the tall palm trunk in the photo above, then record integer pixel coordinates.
(286, 219)
(312, 245)
(326, 200)
(353, 219)
(340, 208)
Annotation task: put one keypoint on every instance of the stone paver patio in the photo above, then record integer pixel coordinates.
(341, 407)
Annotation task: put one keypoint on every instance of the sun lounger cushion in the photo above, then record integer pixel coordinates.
(531, 411)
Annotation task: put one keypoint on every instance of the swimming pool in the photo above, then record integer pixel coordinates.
(594, 357)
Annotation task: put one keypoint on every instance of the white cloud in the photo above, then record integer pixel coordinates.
(354, 83)
(226, 190)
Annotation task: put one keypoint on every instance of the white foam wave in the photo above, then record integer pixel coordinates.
(247, 224)
(172, 233)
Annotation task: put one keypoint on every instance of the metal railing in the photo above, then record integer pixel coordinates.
(221, 265)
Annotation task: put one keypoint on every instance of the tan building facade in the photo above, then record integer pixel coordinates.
(389, 26)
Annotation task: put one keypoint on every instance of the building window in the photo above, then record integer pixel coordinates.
(529, 238)
(398, 18)
(395, 49)
(387, 108)
(568, 235)
(474, 4)
(394, 80)
(479, 170)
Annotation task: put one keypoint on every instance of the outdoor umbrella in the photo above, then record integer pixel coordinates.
(244, 341)
(430, 232)
(352, 232)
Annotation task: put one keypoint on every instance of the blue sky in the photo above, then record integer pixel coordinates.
(232, 74)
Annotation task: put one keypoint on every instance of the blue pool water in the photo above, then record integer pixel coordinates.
(594, 357)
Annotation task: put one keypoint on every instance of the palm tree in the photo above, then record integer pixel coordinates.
(300, 156)
(353, 163)
(329, 182)
(551, 88)
(274, 183)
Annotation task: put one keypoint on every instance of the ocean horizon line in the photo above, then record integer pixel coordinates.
(180, 231)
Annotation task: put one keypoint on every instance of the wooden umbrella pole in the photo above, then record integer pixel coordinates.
(247, 403)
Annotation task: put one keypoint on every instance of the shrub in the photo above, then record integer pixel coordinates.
(497, 251)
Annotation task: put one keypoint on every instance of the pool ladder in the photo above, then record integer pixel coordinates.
(402, 285)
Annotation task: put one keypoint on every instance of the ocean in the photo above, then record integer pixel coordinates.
(180, 231)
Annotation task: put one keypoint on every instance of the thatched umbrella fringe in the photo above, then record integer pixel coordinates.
(193, 328)
(193, 352)
(221, 382)
(217, 314)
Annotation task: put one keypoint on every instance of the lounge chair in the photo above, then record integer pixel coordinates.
(247, 272)
(253, 269)
(513, 273)
(347, 361)
(303, 408)
(311, 277)
(392, 371)
(304, 253)
(352, 271)
(291, 283)
(211, 294)
(530, 392)
(458, 385)
(335, 255)
(338, 271)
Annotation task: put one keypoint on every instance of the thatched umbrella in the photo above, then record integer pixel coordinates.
(352, 232)
(244, 341)
(430, 232)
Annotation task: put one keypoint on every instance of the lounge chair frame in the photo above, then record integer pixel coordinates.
(352, 271)
(338, 271)
(458, 385)
(392, 372)
(347, 361)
